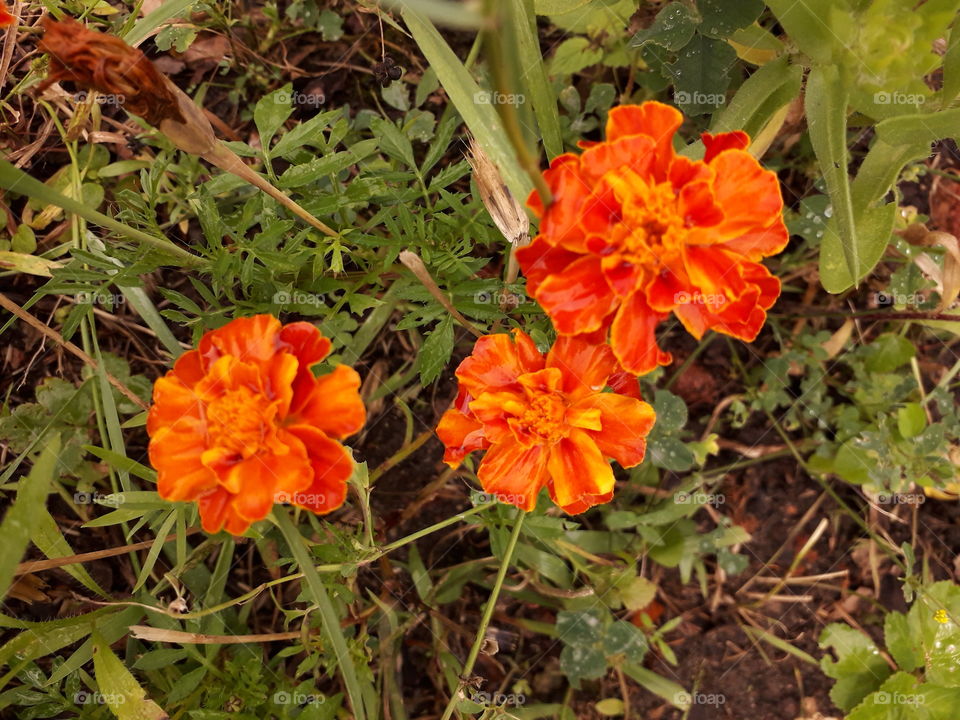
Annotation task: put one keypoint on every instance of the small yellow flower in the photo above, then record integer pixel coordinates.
(941, 616)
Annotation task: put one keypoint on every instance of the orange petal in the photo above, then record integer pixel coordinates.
(214, 508)
(698, 206)
(625, 423)
(561, 221)
(174, 404)
(333, 404)
(332, 466)
(751, 202)
(514, 474)
(250, 339)
(654, 119)
(632, 336)
(6, 19)
(309, 346)
(585, 365)
(577, 470)
(638, 152)
(497, 361)
(579, 299)
(460, 435)
(189, 368)
(716, 144)
(539, 260)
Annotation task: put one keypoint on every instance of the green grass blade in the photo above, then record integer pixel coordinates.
(166, 10)
(144, 307)
(15, 530)
(331, 623)
(16, 180)
(468, 98)
(826, 107)
(534, 75)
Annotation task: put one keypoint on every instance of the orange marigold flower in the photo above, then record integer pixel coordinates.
(636, 232)
(241, 423)
(545, 421)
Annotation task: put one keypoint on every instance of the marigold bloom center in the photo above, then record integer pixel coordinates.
(545, 417)
(239, 421)
(651, 230)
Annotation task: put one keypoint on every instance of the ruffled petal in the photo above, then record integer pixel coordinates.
(333, 404)
(331, 466)
(578, 472)
(514, 474)
(752, 204)
(579, 299)
(625, 423)
(249, 339)
(460, 435)
(497, 361)
(539, 260)
(716, 144)
(658, 121)
(586, 365)
(633, 339)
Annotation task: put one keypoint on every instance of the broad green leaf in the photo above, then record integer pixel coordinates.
(808, 25)
(465, 94)
(270, 113)
(880, 169)
(826, 107)
(393, 142)
(874, 227)
(534, 75)
(119, 688)
(911, 420)
(701, 75)
(951, 68)
(767, 90)
(722, 18)
(15, 529)
(904, 646)
(923, 128)
(672, 28)
(859, 668)
(573, 55)
(897, 699)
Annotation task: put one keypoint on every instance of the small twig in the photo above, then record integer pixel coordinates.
(413, 262)
(143, 632)
(33, 566)
(12, 307)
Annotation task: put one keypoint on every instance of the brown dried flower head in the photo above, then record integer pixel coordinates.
(95, 61)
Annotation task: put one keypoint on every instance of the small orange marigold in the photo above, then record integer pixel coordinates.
(241, 423)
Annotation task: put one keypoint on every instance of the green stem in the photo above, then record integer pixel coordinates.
(487, 615)
(331, 623)
(16, 180)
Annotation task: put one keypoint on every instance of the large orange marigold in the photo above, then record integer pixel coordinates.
(636, 232)
(241, 422)
(544, 421)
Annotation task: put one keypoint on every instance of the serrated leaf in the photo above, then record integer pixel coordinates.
(859, 668)
(119, 688)
(436, 351)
